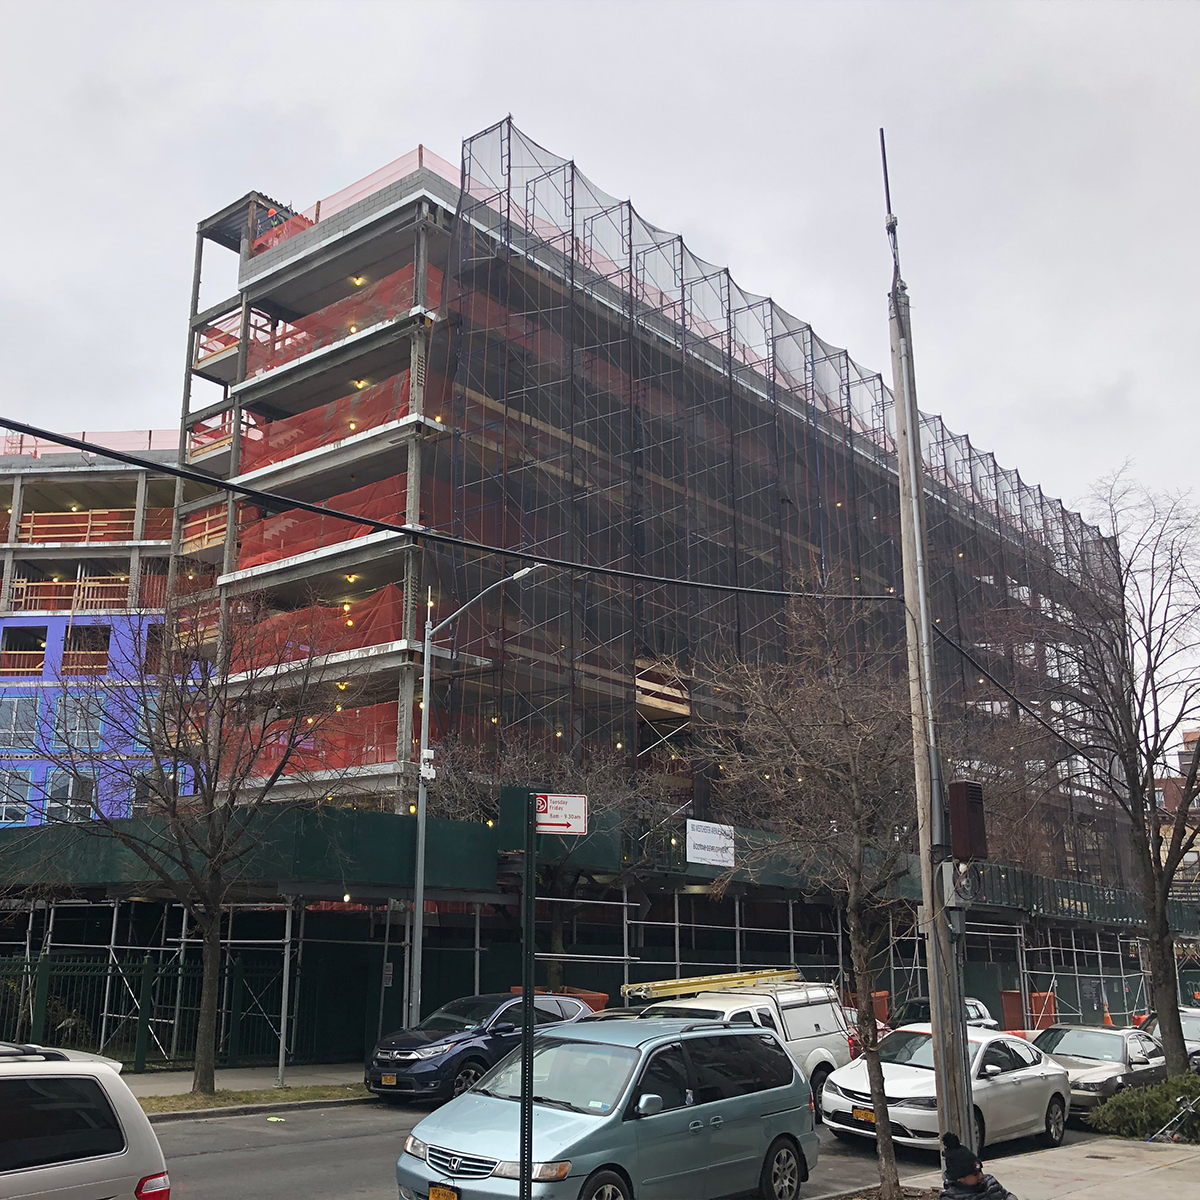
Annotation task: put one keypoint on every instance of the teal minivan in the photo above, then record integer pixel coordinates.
(626, 1110)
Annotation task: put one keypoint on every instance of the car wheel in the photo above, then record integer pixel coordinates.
(781, 1174)
(980, 1132)
(605, 1185)
(469, 1074)
(1056, 1122)
(817, 1083)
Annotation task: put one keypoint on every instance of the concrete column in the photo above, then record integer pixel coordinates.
(139, 532)
(14, 526)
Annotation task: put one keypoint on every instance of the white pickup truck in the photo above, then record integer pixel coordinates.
(807, 1016)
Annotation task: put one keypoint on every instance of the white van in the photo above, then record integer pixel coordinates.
(73, 1130)
(808, 1016)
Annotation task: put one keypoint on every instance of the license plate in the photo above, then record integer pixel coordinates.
(439, 1191)
(388, 1080)
(859, 1114)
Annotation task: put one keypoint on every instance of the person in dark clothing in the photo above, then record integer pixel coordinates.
(965, 1179)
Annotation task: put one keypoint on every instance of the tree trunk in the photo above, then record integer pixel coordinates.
(554, 966)
(204, 1076)
(1165, 988)
(861, 950)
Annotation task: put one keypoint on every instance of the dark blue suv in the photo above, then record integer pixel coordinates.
(452, 1048)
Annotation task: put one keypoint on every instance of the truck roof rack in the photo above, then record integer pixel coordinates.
(664, 989)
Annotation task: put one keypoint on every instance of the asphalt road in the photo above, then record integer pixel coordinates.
(349, 1153)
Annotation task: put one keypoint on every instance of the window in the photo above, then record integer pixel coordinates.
(1144, 1045)
(154, 648)
(55, 1119)
(85, 650)
(1026, 1053)
(1096, 1044)
(148, 797)
(14, 797)
(770, 1062)
(723, 1069)
(79, 720)
(69, 796)
(585, 1076)
(545, 1011)
(666, 1076)
(18, 722)
(742, 1018)
(766, 1018)
(998, 1054)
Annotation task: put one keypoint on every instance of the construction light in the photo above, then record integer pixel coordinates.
(618, 745)
(412, 809)
(74, 507)
(353, 426)
(342, 686)
(310, 719)
(353, 328)
(351, 578)
(420, 703)
(349, 621)
(358, 280)
(345, 608)
(358, 383)
(490, 823)
(346, 898)
(337, 708)
(558, 733)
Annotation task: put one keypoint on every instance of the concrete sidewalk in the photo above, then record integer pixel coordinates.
(244, 1079)
(1098, 1169)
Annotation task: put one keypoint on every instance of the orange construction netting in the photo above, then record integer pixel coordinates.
(322, 629)
(372, 303)
(353, 737)
(297, 532)
(365, 409)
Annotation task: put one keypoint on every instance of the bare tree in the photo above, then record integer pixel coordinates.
(182, 749)
(820, 753)
(1123, 661)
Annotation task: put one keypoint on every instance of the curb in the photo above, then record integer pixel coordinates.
(245, 1110)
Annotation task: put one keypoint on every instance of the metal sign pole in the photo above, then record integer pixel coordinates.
(528, 912)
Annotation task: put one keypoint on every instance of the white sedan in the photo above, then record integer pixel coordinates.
(1017, 1090)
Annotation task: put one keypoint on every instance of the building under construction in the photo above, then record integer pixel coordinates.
(507, 355)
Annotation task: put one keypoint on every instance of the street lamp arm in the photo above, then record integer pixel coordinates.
(475, 599)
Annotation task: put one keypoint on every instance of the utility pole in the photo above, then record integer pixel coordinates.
(944, 927)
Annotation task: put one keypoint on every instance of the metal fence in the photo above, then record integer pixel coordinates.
(144, 1011)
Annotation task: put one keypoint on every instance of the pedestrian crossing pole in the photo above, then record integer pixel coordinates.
(942, 919)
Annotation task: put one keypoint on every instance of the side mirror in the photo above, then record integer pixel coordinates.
(649, 1104)
(503, 1027)
(1138, 1060)
(990, 1071)
(988, 1023)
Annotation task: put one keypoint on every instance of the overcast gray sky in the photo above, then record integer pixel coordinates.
(1043, 156)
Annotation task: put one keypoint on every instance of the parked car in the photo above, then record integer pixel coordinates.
(1016, 1090)
(1102, 1061)
(1190, 1017)
(612, 1014)
(455, 1045)
(807, 1016)
(657, 1110)
(70, 1127)
(916, 1012)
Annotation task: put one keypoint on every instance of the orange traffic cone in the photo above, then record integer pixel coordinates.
(1107, 1016)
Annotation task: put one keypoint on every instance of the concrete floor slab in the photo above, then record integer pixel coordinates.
(245, 1079)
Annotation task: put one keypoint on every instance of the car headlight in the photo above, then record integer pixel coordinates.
(415, 1147)
(831, 1089)
(1090, 1086)
(433, 1051)
(917, 1102)
(541, 1171)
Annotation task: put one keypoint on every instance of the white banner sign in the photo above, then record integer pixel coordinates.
(561, 814)
(710, 845)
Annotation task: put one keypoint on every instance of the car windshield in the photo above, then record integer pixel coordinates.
(1191, 1027)
(912, 1012)
(911, 1049)
(1083, 1043)
(459, 1015)
(677, 1012)
(582, 1076)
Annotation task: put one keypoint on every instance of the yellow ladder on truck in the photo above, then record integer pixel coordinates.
(664, 989)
